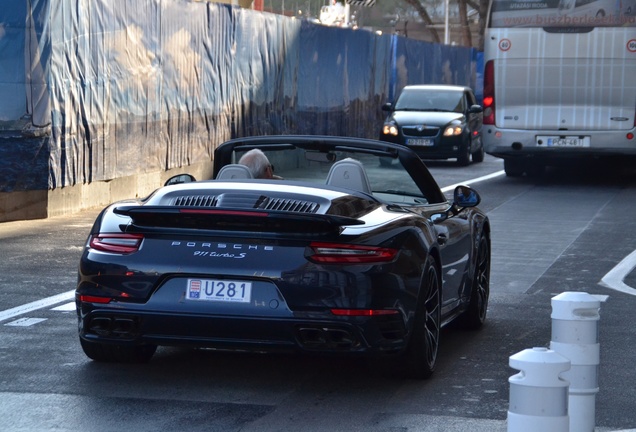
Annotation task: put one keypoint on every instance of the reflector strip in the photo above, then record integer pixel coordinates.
(364, 312)
(225, 212)
(94, 299)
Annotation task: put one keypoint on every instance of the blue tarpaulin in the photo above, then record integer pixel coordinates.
(93, 90)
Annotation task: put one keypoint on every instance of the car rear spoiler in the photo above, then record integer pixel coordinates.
(206, 218)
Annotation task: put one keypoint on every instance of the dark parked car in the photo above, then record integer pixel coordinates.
(437, 122)
(340, 255)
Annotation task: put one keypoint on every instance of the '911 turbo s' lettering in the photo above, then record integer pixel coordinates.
(219, 255)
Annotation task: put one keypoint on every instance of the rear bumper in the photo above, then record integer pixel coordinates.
(512, 143)
(308, 332)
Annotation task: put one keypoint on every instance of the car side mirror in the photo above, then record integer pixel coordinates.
(475, 109)
(387, 107)
(465, 196)
(180, 178)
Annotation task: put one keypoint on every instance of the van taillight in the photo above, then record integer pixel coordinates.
(489, 93)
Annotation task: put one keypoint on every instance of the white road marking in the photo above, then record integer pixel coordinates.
(614, 278)
(475, 180)
(25, 322)
(67, 307)
(38, 304)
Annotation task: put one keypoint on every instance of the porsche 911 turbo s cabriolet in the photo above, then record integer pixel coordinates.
(337, 254)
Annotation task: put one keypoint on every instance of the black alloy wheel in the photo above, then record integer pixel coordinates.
(475, 316)
(420, 357)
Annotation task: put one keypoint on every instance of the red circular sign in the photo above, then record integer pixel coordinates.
(631, 45)
(505, 44)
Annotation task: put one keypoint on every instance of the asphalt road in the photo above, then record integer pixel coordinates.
(563, 232)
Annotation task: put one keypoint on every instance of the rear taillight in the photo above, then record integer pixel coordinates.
(119, 243)
(489, 93)
(336, 253)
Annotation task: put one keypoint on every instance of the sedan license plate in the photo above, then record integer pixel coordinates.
(420, 142)
(563, 141)
(219, 290)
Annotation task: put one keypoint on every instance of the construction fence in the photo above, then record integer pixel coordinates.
(94, 90)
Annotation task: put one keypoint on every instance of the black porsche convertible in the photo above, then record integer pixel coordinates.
(334, 253)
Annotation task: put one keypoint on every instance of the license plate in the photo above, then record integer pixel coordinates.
(219, 290)
(563, 141)
(420, 142)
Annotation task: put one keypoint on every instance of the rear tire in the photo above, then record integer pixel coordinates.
(420, 357)
(474, 317)
(113, 353)
(535, 169)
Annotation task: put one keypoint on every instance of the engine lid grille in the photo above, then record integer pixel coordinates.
(194, 201)
(292, 205)
(246, 201)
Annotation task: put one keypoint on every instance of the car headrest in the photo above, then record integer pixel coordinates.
(234, 172)
(349, 173)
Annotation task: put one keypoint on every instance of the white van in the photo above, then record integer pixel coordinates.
(558, 85)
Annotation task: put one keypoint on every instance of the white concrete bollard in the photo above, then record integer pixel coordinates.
(575, 317)
(538, 396)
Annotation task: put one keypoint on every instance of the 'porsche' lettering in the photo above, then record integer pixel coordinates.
(221, 246)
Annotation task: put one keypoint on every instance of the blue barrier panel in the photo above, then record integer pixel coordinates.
(12, 69)
(123, 87)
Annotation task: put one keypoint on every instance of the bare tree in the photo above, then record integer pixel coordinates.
(483, 15)
(479, 5)
(467, 39)
(421, 10)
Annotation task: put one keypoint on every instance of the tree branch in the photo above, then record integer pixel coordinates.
(425, 17)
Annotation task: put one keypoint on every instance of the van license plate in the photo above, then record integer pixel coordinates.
(563, 141)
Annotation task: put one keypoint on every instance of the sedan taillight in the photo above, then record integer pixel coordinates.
(336, 253)
(119, 243)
